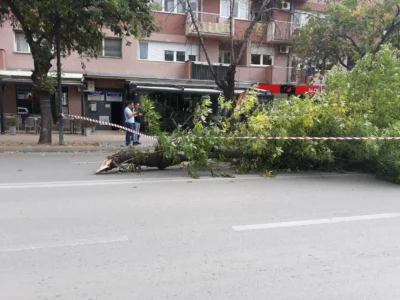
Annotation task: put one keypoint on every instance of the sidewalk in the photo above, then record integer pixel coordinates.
(97, 141)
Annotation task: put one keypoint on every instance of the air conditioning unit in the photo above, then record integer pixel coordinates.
(284, 49)
(90, 86)
(285, 5)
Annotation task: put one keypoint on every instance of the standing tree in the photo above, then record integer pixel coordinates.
(348, 31)
(237, 44)
(82, 25)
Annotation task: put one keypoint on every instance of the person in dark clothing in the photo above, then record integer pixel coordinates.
(138, 117)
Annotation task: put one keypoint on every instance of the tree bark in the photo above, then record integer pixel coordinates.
(45, 110)
(229, 88)
(156, 159)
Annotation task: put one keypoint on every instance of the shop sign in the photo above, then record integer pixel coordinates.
(114, 96)
(96, 96)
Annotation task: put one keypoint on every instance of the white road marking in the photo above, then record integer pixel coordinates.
(315, 222)
(68, 244)
(114, 182)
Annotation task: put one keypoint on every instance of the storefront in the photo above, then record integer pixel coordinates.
(19, 97)
(175, 104)
(105, 105)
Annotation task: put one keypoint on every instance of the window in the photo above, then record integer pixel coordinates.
(224, 57)
(143, 50)
(181, 7)
(167, 52)
(180, 56)
(243, 9)
(225, 8)
(21, 45)
(261, 60)
(192, 57)
(112, 48)
(174, 6)
(262, 56)
(169, 5)
(168, 55)
(240, 9)
(256, 59)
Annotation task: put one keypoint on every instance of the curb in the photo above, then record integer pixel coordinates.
(57, 149)
(67, 149)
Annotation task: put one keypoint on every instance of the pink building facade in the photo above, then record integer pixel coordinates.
(169, 62)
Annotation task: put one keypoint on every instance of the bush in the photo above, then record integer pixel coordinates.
(88, 124)
(11, 121)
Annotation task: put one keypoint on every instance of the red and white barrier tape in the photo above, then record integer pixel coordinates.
(273, 138)
(109, 124)
(305, 138)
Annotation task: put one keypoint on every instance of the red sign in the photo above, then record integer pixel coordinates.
(287, 89)
(307, 89)
(273, 88)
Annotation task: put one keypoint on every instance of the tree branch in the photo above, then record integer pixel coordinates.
(231, 29)
(345, 36)
(389, 31)
(203, 45)
(248, 32)
(342, 62)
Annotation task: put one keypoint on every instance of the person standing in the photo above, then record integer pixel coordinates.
(129, 122)
(138, 117)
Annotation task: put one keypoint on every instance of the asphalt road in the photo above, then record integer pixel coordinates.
(67, 234)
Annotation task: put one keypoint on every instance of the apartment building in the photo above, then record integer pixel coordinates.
(170, 65)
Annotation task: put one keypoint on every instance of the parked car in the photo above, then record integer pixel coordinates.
(23, 111)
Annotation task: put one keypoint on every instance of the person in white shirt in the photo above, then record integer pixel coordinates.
(129, 122)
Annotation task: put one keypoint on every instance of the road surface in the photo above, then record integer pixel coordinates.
(67, 234)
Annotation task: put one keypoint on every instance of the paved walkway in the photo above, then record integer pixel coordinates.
(97, 141)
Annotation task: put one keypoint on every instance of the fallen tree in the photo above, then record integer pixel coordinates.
(360, 103)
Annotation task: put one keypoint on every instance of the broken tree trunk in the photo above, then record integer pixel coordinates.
(154, 159)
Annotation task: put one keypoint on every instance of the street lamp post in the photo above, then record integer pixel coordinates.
(1, 110)
(59, 94)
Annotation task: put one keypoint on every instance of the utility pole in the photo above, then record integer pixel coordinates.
(1, 109)
(59, 94)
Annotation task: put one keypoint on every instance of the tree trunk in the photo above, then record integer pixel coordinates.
(47, 118)
(156, 159)
(229, 89)
(45, 111)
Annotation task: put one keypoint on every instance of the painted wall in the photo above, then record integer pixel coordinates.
(10, 96)
(212, 6)
(169, 23)
(74, 101)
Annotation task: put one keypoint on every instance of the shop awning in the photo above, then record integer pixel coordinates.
(174, 88)
(24, 77)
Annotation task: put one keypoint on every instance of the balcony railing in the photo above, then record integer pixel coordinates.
(202, 71)
(279, 31)
(208, 24)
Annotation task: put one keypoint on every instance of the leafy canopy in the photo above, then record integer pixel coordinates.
(364, 102)
(349, 30)
(82, 24)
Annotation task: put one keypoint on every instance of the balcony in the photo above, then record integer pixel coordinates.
(209, 24)
(201, 71)
(284, 75)
(280, 32)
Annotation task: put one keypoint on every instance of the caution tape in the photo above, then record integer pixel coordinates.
(305, 138)
(109, 124)
(270, 138)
